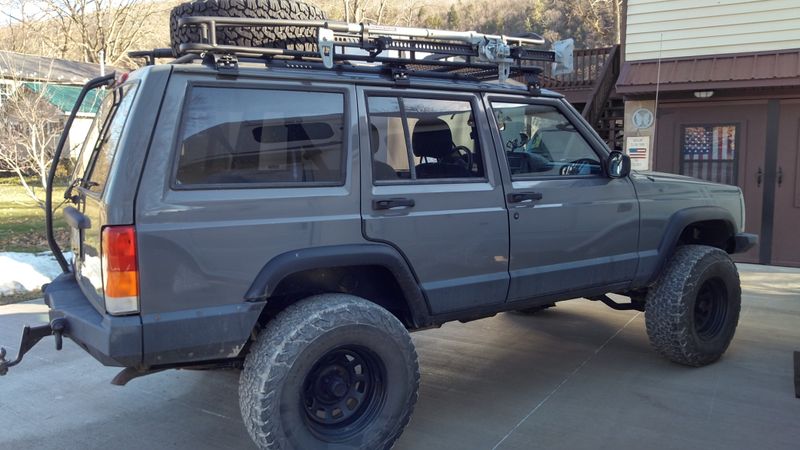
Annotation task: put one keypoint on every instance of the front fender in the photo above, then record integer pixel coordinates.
(651, 265)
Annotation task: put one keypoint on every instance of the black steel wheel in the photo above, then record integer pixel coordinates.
(710, 308)
(344, 391)
(692, 311)
(331, 371)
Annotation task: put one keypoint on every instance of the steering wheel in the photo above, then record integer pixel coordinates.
(464, 154)
(575, 167)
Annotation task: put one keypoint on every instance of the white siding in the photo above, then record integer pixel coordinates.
(677, 28)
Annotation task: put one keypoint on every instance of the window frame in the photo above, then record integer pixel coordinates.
(597, 146)
(473, 101)
(177, 139)
(736, 141)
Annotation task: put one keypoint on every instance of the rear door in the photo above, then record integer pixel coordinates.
(93, 170)
(431, 190)
(572, 227)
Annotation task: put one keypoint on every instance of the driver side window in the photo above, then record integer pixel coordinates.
(540, 141)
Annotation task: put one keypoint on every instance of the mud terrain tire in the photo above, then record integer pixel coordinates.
(692, 311)
(331, 371)
(294, 38)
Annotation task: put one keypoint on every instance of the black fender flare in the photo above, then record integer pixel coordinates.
(376, 254)
(677, 222)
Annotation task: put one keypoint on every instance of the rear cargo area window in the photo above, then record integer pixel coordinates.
(259, 136)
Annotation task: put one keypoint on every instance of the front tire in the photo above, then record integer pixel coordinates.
(692, 312)
(331, 371)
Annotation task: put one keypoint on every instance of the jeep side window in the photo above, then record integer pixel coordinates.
(415, 138)
(245, 136)
(540, 141)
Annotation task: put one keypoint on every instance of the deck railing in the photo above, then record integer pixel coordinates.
(588, 66)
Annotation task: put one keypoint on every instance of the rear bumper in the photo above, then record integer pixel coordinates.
(744, 242)
(114, 341)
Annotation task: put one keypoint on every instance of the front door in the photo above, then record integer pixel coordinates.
(572, 227)
(430, 189)
(785, 243)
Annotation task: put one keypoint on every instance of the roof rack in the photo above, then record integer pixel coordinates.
(419, 50)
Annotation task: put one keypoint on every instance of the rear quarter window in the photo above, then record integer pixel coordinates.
(245, 137)
(104, 137)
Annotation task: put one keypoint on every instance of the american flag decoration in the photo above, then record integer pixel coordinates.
(709, 153)
(637, 152)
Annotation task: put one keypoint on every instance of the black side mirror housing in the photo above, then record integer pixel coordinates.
(618, 164)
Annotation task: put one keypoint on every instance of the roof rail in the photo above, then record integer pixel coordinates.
(418, 50)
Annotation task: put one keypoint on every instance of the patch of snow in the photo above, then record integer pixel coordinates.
(26, 272)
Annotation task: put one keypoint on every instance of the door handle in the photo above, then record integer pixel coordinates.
(780, 176)
(393, 203)
(758, 177)
(523, 197)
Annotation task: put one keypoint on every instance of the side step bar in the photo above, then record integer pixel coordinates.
(608, 301)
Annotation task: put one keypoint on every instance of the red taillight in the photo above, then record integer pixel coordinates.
(121, 273)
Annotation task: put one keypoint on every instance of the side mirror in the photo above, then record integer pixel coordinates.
(618, 164)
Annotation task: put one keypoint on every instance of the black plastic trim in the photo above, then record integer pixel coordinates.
(382, 255)
(672, 233)
(744, 242)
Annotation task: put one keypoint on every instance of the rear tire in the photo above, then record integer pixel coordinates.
(692, 311)
(294, 38)
(331, 371)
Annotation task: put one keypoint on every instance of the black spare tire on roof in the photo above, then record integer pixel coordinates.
(293, 38)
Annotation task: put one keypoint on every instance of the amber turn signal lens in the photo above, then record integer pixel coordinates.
(121, 272)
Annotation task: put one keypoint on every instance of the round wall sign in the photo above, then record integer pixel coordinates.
(642, 118)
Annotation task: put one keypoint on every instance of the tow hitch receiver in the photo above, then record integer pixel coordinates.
(30, 337)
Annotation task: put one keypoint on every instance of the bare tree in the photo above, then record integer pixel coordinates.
(82, 29)
(30, 127)
(112, 27)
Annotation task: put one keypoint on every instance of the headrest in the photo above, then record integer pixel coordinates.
(432, 138)
(374, 138)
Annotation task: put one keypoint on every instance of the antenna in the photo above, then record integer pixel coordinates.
(655, 110)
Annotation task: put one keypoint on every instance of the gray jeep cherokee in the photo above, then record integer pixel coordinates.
(292, 198)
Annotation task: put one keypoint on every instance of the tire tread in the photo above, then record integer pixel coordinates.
(668, 307)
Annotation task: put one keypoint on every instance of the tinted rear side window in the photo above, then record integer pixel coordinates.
(242, 136)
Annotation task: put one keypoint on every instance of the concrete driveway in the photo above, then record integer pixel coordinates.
(579, 376)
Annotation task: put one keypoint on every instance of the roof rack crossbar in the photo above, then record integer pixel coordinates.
(479, 51)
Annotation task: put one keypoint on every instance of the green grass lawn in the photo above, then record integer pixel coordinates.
(22, 221)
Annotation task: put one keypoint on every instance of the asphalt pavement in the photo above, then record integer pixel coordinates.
(578, 376)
